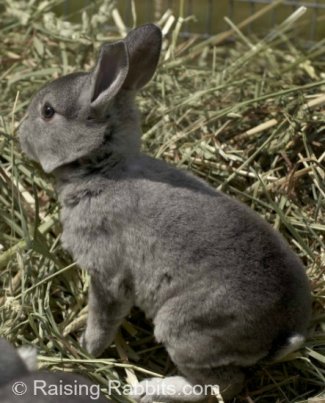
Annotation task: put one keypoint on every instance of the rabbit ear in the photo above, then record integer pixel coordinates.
(109, 74)
(144, 45)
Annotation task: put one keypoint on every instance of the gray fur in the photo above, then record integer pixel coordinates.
(14, 376)
(223, 289)
(11, 364)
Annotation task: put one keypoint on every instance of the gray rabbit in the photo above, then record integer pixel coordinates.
(18, 384)
(223, 289)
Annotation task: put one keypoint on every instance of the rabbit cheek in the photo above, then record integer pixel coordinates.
(27, 145)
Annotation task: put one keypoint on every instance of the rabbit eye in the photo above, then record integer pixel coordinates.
(48, 111)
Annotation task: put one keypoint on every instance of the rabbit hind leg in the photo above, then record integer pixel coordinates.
(201, 385)
(172, 389)
(226, 381)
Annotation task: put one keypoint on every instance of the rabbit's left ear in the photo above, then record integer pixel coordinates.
(144, 46)
(109, 74)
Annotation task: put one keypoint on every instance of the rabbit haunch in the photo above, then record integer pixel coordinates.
(223, 289)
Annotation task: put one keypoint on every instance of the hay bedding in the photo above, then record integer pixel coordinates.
(247, 116)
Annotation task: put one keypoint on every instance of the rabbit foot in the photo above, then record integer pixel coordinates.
(94, 342)
(167, 390)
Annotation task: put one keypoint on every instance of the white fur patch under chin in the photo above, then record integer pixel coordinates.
(294, 343)
(29, 356)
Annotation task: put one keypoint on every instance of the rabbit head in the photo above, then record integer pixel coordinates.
(82, 115)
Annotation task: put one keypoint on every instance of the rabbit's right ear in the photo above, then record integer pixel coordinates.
(109, 74)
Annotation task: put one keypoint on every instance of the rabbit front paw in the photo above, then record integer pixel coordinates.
(94, 341)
